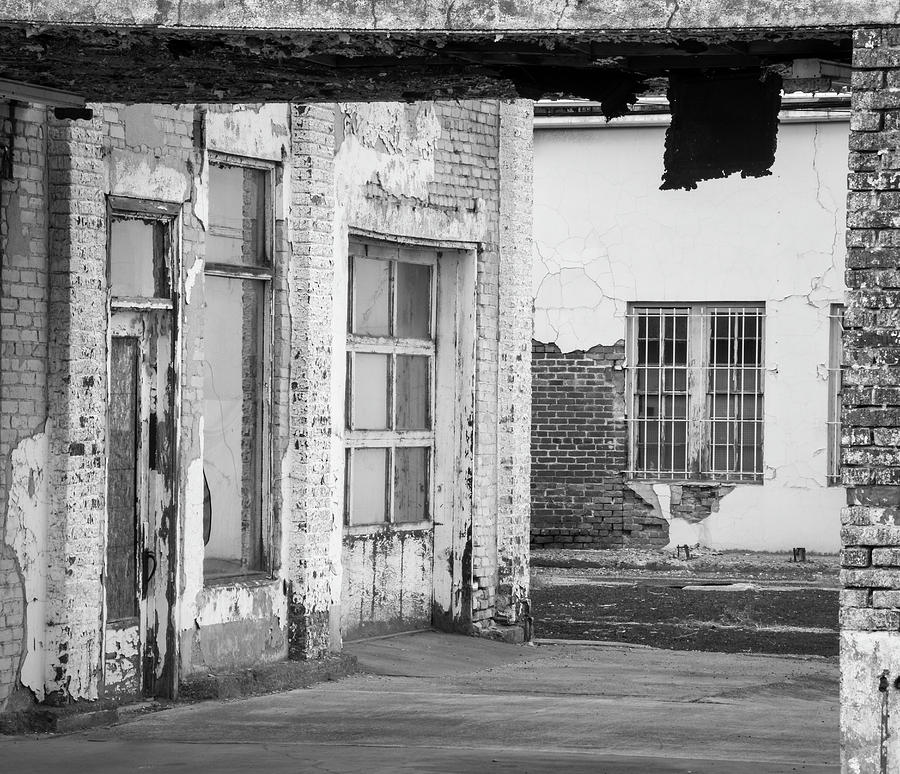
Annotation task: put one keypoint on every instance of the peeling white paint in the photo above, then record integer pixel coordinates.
(190, 277)
(259, 131)
(141, 177)
(240, 602)
(26, 533)
(122, 660)
(606, 236)
(192, 545)
(380, 146)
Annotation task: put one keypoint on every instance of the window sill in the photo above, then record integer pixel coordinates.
(243, 579)
(221, 572)
(696, 481)
(374, 529)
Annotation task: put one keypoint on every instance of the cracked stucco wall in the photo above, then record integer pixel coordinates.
(605, 236)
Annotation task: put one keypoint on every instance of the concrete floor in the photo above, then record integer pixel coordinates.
(442, 703)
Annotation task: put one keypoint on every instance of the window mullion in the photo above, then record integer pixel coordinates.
(698, 357)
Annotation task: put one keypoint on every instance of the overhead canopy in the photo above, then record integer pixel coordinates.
(165, 63)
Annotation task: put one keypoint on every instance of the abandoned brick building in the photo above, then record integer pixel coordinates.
(260, 367)
(198, 51)
(675, 331)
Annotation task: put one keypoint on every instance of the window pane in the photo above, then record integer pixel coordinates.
(137, 260)
(413, 301)
(372, 291)
(410, 484)
(370, 392)
(413, 395)
(368, 486)
(660, 379)
(232, 406)
(237, 215)
(735, 386)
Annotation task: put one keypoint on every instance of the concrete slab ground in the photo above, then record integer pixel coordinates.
(735, 602)
(429, 702)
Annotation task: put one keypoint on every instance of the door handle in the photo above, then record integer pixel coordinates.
(148, 557)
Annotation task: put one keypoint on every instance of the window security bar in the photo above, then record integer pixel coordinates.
(695, 392)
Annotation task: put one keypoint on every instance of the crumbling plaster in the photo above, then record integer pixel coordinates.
(27, 518)
(605, 236)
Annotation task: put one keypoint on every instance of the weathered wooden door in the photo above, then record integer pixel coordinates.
(139, 578)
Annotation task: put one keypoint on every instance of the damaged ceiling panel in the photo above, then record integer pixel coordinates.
(154, 64)
(723, 122)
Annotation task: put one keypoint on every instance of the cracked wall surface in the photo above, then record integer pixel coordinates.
(605, 236)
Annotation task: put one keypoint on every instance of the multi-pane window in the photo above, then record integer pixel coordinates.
(237, 367)
(390, 385)
(695, 386)
(835, 328)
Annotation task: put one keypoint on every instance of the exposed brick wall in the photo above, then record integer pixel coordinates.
(871, 397)
(23, 345)
(870, 453)
(311, 529)
(579, 448)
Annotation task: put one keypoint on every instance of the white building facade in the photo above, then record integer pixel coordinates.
(686, 355)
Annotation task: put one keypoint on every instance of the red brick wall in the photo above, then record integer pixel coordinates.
(579, 452)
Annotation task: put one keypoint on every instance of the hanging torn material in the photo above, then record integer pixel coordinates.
(722, 123)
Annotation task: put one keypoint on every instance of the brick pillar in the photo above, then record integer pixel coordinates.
(77, 390)
(870, 600)
(514, 359)
(312, 531)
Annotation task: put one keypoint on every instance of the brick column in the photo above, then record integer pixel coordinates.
(77, 399)
(312, 532)
(870, 601)
(514, 359)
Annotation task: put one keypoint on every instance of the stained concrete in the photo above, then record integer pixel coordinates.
(443, 703)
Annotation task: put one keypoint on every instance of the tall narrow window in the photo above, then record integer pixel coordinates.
(835, 329)
(390, 385)
(237, 368)
(695, 383)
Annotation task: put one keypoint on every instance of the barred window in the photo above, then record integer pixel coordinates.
(835, 328)
(695, 391)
